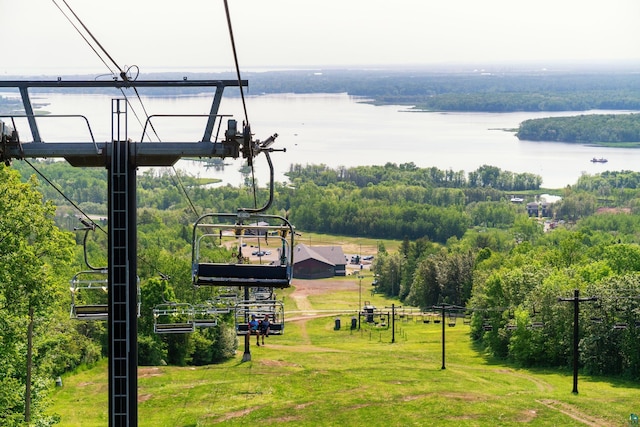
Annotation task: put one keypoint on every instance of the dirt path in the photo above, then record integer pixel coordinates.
(306, 288)
(573, 412)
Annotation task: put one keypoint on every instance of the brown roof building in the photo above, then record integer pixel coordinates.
(318, 262)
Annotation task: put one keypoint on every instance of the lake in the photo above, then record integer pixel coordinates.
(340, 130)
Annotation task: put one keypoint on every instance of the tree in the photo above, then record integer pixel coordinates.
(34, 256)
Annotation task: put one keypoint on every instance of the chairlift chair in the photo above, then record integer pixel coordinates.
(173, 318)
(466, 320)
(205, 315)
(536, 325)
(90, 295)
(437, 318)
(273, 308)
(620, 326)
(452, 319)
(237, 232)
(262, 293)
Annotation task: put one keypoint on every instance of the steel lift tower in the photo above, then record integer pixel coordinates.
(120, 156)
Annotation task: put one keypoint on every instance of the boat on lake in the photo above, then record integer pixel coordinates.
(600, 160)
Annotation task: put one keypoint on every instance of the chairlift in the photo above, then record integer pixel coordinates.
(90, 288)
(239, 230)
(426, 317)
(620, 326)
(452, 319)
(260, 308)
(206, 315)
(466, 320)
(173, 318)
(261, 293)
(383, 320)
(90, 295)
(536, 325)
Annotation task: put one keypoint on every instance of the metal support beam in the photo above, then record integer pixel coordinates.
(28, 109)
(123, 351)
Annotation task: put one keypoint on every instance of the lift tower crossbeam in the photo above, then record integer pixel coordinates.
(121, 157)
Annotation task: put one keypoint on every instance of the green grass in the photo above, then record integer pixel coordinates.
(316, 376)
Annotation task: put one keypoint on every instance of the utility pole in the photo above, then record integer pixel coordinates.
(121, 157)
(576, 331)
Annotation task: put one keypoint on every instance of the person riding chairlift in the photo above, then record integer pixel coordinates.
(264, 327)
(253, 328)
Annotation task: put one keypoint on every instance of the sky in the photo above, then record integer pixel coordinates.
(159, 35)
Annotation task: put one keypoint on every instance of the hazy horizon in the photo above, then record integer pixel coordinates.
(281, 34)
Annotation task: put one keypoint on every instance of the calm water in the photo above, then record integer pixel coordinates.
(337, 130)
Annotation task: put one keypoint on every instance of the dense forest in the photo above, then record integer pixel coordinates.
(583, 129)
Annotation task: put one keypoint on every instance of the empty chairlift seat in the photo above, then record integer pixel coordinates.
(90, 295)
(260, 246)
(173, 318)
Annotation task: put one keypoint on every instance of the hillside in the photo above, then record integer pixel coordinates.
(317, 376)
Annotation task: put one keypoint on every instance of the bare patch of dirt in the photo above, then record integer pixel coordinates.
(416, 397)
(540, 385)
(573, 412)
(85, 384)
(144, 397)
(276, 421)
(466, 397)
(613, 210)
(528, 416)
(305, 348)
(303, 405)
(235, 414)
(149, 372)
(277, 363)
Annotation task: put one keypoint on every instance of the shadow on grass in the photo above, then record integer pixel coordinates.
(491, 360)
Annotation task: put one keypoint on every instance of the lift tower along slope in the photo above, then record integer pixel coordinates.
(120, 156)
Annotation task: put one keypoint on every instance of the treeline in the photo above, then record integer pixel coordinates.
(501, 102)
(375, 201)
(457, 90)
(409, 174)
(466, 90)
(592, 128)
